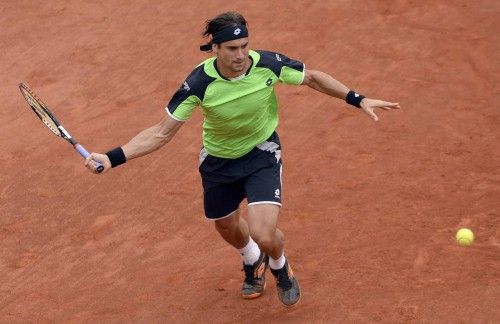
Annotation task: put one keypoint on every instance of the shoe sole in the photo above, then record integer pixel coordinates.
(255, 295)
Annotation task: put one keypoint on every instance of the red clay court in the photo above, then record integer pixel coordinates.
(370, 209)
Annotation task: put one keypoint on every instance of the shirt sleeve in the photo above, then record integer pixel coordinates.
(292, 71)
(190, 94)
(183, 103)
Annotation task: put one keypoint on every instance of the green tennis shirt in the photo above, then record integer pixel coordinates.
(238, 114)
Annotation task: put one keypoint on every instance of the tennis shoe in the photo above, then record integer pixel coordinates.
(287, 285)
(255, 277)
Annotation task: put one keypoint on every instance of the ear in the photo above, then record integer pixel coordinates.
(215, 48)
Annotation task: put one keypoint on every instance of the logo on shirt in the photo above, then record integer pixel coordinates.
(277, 193)
(278, 57)
(269, 82)
(185, 86)
(237, 31)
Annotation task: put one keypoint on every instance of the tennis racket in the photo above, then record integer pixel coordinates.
(50, 120)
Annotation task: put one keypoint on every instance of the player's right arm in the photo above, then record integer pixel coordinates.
(179, 110)
(147, 141)
(152, 138)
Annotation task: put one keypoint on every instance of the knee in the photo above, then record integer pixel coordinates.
(265, 241)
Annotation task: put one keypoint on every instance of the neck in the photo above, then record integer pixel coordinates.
(230, 74)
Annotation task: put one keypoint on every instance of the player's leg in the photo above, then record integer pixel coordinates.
(221, 201)
(223, 193)
(234, 230)
(263, 219)
(263, 191)
(262, 223)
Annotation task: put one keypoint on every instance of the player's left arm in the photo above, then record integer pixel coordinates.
(325, 83)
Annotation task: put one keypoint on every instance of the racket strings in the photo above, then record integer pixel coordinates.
(51, 126)
(41, 112)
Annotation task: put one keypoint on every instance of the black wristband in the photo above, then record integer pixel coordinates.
(116, 157)
(354, 99)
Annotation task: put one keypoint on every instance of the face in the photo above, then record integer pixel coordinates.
(232, 55)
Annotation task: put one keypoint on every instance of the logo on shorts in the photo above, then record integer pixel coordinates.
(185, 86)
(237, 31)
(277, 193)
(278, 57)
(269, 82)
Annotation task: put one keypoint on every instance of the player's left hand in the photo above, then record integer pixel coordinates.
(369, 105)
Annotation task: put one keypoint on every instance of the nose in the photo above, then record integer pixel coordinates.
(239, 54)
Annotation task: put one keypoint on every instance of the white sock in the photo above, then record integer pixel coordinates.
(250, 253)
(277, 264)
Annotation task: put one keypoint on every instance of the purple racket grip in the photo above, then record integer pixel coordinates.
(83, 152)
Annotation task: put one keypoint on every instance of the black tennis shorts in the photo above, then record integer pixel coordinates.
(255, 176)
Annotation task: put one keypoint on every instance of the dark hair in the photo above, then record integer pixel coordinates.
(222, 21)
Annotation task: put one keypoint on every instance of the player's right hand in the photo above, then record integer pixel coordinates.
(97, 157)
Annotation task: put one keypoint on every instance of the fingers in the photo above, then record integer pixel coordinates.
(389, 108)
(91, 162)
(93, 166)
(387, 105)
(369, 105)
(87, 160)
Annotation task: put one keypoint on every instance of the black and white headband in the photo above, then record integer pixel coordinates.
(225, 35)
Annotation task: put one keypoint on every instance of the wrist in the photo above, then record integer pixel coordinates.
(353, 98)
(116, 156)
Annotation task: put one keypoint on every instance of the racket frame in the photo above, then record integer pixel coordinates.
(62, 132)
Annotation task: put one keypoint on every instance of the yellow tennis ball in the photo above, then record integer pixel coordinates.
(465, 237)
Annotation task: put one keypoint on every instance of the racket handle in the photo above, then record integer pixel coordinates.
(83, 152)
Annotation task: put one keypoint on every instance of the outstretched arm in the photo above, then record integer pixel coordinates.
(147, 141)
(325, 83)
(151, 139)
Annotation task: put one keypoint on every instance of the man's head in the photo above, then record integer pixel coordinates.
(229, 40)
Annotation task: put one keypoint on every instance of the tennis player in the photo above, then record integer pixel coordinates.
(241, 154)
